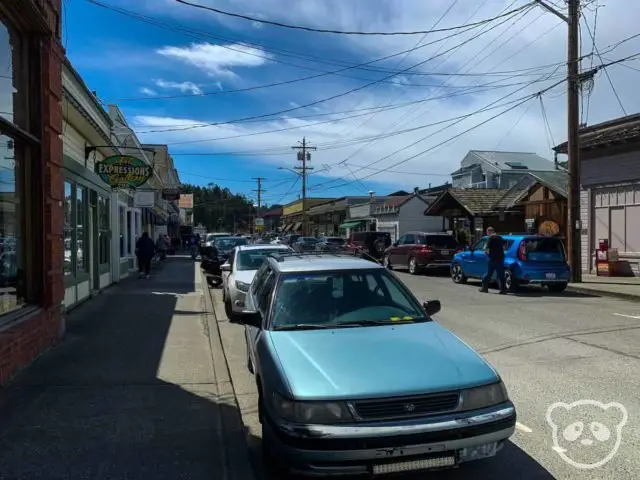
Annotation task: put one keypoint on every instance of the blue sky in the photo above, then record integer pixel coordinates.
(134, 64)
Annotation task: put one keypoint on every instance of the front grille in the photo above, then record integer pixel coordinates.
(407, 407)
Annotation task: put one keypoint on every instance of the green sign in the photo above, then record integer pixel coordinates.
(123, 171)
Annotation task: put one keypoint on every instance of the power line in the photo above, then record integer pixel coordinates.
(595, 47)
(340, 32)
(332, 97)
(259, 191)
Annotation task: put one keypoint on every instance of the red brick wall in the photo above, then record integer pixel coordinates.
(35, 333)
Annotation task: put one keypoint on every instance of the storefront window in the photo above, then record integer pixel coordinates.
(10, 234)
(123, 231)
(103, 231)
(132, 232)
(68, 228)
(81, 214)
(14, 154)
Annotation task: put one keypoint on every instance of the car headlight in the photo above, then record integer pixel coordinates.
(483, 397)
(242, 286)
(311, 412)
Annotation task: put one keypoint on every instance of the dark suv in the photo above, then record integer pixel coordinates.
(371, 245)
(420, 250)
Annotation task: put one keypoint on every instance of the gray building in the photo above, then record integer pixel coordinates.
(610, 195)
(487, 169)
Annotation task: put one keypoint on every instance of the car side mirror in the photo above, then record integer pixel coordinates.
(251, 318)
(225, 267)
(432, 307)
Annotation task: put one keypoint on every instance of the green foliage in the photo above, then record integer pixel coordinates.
(219, 209)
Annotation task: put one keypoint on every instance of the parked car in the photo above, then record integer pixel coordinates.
(330, 244)
(305, 244)
(419, 251)
(238, 273)
(290, 239)
(370, 245)
(226, 244)
(354, 376)
(529, 260)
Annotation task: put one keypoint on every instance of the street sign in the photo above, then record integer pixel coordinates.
(123, 171)
(259, 222)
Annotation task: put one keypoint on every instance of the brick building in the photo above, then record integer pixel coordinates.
(31, 185)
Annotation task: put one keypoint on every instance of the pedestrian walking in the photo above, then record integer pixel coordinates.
(145, 250)
(494, 249)
(161, 245)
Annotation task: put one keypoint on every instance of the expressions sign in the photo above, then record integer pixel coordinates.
(123, 171)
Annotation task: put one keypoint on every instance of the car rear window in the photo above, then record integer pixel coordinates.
(439, 241)
(544, 249)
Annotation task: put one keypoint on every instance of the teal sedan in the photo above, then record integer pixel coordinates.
(355, 377)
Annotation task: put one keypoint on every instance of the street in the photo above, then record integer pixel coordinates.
(548, 348)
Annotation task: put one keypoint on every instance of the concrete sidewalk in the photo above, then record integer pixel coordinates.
(138, 389)
(627, 288)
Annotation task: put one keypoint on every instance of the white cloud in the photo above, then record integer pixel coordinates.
(217, 60)
(538, 39)
(148, 91)
(185, 87)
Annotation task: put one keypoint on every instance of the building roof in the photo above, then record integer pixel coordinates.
(476, 201)
(463, 170)
(514, 160)
(557, 182)
(621, 130)
(273, 212)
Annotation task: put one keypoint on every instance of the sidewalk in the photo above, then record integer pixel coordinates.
(138, 389)
(621, 287)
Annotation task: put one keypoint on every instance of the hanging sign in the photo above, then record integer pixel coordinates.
(170, 194)
(123, 171)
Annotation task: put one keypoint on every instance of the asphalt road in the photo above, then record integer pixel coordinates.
(548, 348)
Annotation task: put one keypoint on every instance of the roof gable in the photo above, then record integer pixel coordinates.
(513, 161)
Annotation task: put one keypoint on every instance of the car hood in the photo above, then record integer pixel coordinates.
(380, 361)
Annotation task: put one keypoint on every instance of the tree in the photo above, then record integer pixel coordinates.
(219, 209)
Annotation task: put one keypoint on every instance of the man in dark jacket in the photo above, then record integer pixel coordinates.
(145, 250)
(494, 249)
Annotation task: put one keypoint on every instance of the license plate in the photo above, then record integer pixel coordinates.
(444, 252)
(551, 276)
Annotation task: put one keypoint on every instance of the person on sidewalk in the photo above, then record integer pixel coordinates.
(161, 245)
(145, 250)
(494, 249)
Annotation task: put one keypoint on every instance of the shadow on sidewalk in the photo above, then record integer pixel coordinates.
(94, 407)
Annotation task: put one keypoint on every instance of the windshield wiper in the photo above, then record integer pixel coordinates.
(380, 322)
(304, 326)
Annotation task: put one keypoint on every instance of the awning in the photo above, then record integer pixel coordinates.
(351, 224)
(287, 227)
(297, 226)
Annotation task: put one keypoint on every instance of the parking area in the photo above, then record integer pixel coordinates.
(548, 348)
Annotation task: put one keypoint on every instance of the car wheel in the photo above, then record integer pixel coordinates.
(387, 262)
(457, 274)
(510, 281)
(557, 287)
(228, 310)
(413, 266)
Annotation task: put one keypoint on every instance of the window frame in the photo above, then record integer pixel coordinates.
(104, 208)
(29, 170)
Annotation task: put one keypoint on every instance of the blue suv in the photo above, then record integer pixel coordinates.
(529, 260)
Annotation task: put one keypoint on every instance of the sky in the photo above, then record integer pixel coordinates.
(386, 112)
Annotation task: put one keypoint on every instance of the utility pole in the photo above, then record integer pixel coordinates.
(259, 191)
(574, 244)
(304, 156)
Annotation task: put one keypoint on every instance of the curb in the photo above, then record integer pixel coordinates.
(602, 293)
(238, 463)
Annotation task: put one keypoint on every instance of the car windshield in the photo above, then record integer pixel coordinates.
(308, 240)
(252, 259)
(328, 299)
(225, 244)
(440, 241)
(544, 248)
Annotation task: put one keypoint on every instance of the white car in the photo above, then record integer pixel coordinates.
(238, 272)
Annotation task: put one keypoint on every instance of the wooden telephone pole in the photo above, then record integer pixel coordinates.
(304, 156)
(259, 191)
(574, 227)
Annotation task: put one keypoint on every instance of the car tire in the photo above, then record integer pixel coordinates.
(414, 269)
(228, 310)
(510, 281)
(557, 287)
(457, 274)
(387, 262)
